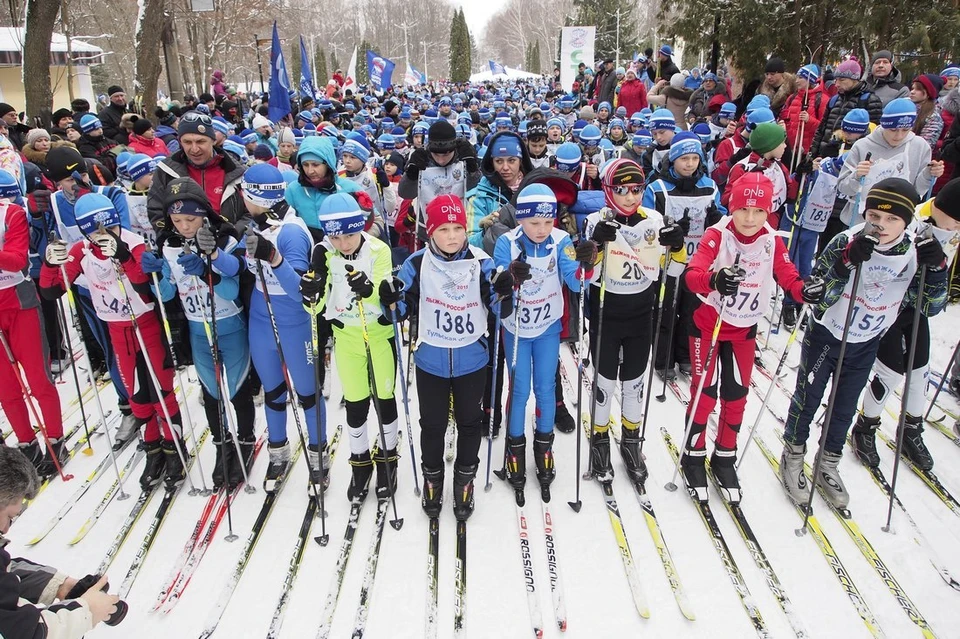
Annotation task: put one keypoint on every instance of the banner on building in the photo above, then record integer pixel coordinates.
(576, 46)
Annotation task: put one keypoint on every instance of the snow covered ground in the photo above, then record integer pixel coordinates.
(597, 596)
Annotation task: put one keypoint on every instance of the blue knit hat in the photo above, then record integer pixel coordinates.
(222, 126)
(386, 142)
(810, 73)
(94, 209)
(900, 113)
(248, 136)
(262, 184)
(856, 121)
(727, 110)
(702, 131)
(89, 122)
(759, 101)
(685, 143)
(340, 214)
(568, 157)
(590, 135)
(642, 138)
(354, 148)
(662, 119)
(238, 151)
(604, 105)
(9, 186)
(759, 116)
(506, 146)
(536, 200)
(615, 122)
(139, 165)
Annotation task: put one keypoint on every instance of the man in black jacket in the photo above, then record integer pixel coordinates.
(111, 115)
(854, 94)
(664, 68)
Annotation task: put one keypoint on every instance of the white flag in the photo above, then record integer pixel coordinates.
(350, 82)
(576, 46)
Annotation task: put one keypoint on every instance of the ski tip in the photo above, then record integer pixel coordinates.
(575, 505)
(322, 540)
(67, 477)
(562, 625)
(519, 496)
(397, 524)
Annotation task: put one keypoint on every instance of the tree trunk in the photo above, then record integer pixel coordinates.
(147, 43)
(171, 56)
(41, 15)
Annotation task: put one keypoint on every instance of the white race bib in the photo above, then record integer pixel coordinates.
(818, 205)
(541, 297)
(696, 209)
(341, 301)
(272, 233)
(139, 219)
(753, 297)
(194, 292)
(452, 314)
(108, 301)
(633, 258)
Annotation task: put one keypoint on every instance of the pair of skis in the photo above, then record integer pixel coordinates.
(460, 580)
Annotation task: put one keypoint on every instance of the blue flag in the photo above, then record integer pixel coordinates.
(381, 71)
(279, 81)
(306, 77)
(496, 68)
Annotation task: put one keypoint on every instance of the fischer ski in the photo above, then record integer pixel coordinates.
(460, 583)
(108, 497)
(370, 572)
(433, 565)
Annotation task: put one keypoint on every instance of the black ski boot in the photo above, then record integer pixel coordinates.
(694, 472)
(47, 468)
(600, 465)
(224, 450)
(723, 466)
(543, 457)
(789, 317)
(279, 460)
(563, 420)
(517, 461)
(154, 465)
(667, 374)
(913, 446)
(686, 368)
(432, 497)
(632, 457)
(175, 472)
(864, 439)
(32, 452)
(318, 459)
(362, 467)
(386, 472)
(463, 491)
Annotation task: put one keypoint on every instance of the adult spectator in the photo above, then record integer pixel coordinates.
(777, 84)
(15, 130)
(664, 67)
(608, 86)
(60, 120)
(852, 94)
(111, 115)
(217, 86)
(632, 94)
(36, 600)
(884, 78)
(710, 86)
(197, 158)
(804, 110)
(673, 96)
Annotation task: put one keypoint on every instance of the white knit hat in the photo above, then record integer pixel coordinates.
(260, 121)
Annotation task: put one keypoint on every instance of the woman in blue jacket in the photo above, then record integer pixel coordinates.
(317, 162)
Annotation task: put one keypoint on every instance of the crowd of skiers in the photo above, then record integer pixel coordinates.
(484, 224)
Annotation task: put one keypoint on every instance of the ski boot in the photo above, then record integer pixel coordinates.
(564, 421)
(223, 459)
(155, 463)
(175, 472)
(432, 498)
(630, 452)
(830, 480)
(517, 462)
(864, 438)
(789, 317)
(667, 374)
(318, 459)
(686, 368)
(129, 429)
(792, 477)
(386, 465)
(723, 467)
(463, 491)
(600, 465)
(277, 467)
(47, 468)
(543, 457)
(913, 446)
(693, 467)
(32, 452)
(362, 467)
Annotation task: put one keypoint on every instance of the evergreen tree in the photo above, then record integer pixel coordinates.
(363, 76)
(603, 14)
(293, 63)
(535, 58)
(460, 45)
(334, 64)
(323, 75)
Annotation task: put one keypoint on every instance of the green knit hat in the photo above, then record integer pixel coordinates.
(766, 137)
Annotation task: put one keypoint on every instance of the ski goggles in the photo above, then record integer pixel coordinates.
(636, 189)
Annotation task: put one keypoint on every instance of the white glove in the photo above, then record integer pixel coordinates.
(108, 245)
(56, 253)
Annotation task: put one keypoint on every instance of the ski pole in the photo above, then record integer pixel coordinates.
(183, 388)
(773, 383)
(946, 372)
(577, 503)
(596, 359)
(656, 338)
(856, 208)
(62, 317)
(288, 378)
(493, 385)
(714, 338)
(851, 307)
(395, 319)
(178, 445)
(397, 522)
(674, 301)
(502, 473)
(902, 422)
(28, 398)
(324, 538)
(75, 320)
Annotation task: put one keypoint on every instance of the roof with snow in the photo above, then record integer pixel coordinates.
(11, 49)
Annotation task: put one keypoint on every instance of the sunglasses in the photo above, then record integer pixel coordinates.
(636, 189)
(196, 116)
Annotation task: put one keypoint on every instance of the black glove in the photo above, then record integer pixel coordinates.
(83, 585)
(604, 231)
(813, 290)
(359, 283)
(859, 249)
(418, 161)
(382, 178)
(672, 236)
(930, 254)
(391, 291)
(260, 248)
(586, 253)
(727, 280)
(713, 216)
(38, 202)
(312, 286)
(520, 271)
(503, 283)
(805, 166)
(206, 240)
(468, 155)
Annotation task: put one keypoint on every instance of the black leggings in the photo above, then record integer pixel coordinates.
(467, 409)
(243, 404)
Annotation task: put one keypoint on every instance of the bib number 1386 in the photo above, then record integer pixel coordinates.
(459, 324)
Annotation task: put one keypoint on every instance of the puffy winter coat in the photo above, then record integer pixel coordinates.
(860, 97)
(306, 198)
(632, 96)
(790, 114)
(888, 88)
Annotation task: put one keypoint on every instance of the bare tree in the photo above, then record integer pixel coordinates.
(41, 16)
(150, 23)
(522, 22)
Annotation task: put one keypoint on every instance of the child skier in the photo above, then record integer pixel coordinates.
(739, 295)
(199, 234)
(633, 240)
(942, 216)
(663, 126)
(889, 256)
(20, 326)
(338, 292)
(278, 252)
(450, 358)
(106, 253)
(140, 171)
(767, 145)
(541, 259)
